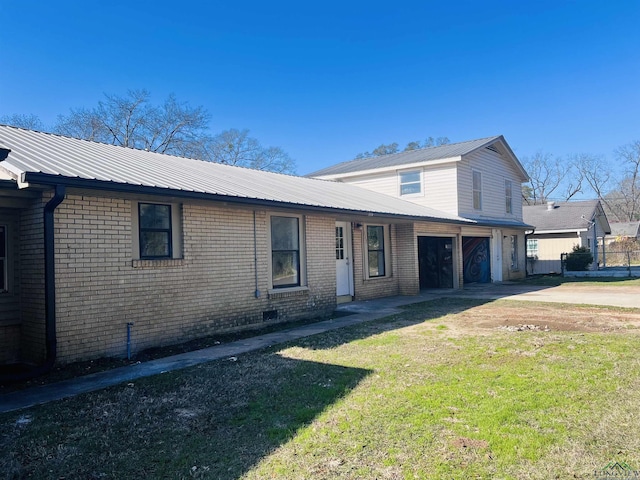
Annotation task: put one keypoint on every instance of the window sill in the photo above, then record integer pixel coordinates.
(158, 263)
(381, 277)
(288, 292)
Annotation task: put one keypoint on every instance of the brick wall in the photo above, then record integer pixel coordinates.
(368, 288)
(100, 287)
(32, 336)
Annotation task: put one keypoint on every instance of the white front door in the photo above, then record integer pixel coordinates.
(344, 271)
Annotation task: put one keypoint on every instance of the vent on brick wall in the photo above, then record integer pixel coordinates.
(269, 315)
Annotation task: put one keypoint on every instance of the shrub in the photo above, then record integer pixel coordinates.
(579, 259)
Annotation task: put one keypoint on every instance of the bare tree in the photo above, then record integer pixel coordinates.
(28, 121)
(545, 176)
(236, 147)
(132, 121)
(173, 128)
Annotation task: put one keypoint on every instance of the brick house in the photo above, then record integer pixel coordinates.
(95, 236)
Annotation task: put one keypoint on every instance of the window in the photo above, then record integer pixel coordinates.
(410, 183)
(339, 243)
(508, 196)
(514, 252)
(375, 250)
(155, 230)
(532, 247)
(3, 258)
(477, 190)
(285, 252)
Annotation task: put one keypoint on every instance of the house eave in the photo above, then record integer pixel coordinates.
(393, 168)
(37, 179)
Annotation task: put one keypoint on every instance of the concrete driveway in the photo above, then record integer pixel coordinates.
(612, 295)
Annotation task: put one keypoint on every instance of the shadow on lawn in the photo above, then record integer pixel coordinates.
(217, 420)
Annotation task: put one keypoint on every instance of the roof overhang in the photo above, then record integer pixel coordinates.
(392, 168)
(37, 179)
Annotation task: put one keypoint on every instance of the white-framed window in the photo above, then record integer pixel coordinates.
(410, 182)
(514, 252)
(508, 196)
(156, 230)
(377, 247)
(287, 251)
(3, 259)
(532, 247)
(477, 190)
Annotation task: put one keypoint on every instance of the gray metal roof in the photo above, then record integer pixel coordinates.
(451, 150)
(625, 229)
(563, 215)
(48, 158)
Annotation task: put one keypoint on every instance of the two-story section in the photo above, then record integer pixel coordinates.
(480, 180)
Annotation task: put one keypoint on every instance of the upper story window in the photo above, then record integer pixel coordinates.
(3, 258)
(477, 190)
(376, 258)
(508, 196)
(155, 230)
(410, 182)
(285, 252)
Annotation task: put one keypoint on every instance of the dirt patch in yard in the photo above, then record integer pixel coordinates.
(522, 316)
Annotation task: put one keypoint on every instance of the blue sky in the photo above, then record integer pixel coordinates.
(327, 80)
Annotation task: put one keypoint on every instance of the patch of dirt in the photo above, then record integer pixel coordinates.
(536, 317)
(462, 442)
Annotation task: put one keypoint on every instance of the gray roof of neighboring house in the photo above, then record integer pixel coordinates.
(563, 215)
(625, 229)
(48, 159)
(451, 150)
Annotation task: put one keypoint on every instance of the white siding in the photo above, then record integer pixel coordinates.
(495, 171)
(386, 183)
(439, 186)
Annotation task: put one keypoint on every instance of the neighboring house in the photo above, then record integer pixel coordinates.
(621, 230)
(94, 237)
(559, 226)
(479, 180)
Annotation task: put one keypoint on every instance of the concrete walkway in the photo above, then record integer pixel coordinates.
(361, 312)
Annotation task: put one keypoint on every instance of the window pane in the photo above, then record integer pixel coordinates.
(375, 239)
(376, 264)
(409, 188)
(284, 233)
(339, 244)
(154, 244)
(410, 177)
(285, 269)
(155, 216)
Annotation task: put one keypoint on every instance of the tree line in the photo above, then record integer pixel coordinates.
(172, 127)
(616, 183)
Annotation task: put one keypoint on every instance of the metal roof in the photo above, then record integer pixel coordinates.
(563, 216)
(451, 150)
(45, 158)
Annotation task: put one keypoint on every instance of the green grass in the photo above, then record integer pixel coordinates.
(410, 396)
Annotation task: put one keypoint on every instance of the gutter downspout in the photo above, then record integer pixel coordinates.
(51, 342)
(50, 274)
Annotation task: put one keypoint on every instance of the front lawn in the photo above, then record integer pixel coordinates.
(448, 389)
